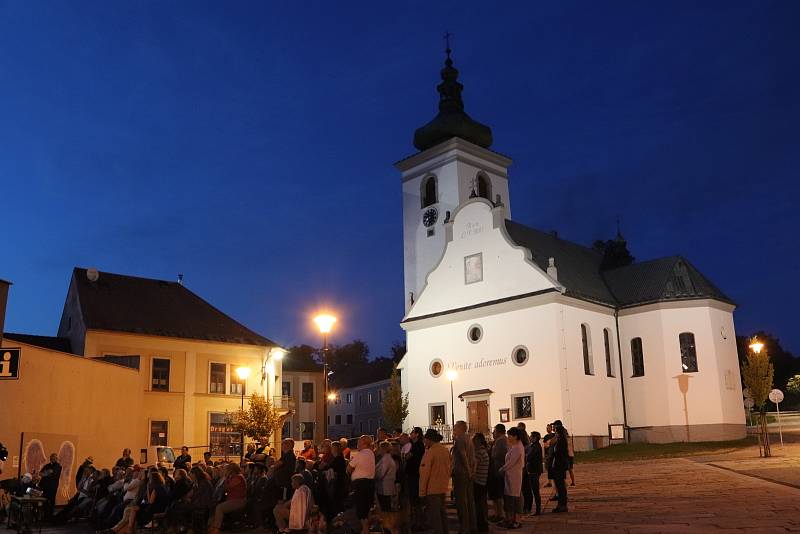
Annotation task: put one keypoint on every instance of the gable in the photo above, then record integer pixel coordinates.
(480, 263)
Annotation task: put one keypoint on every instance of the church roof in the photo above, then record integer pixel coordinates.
(124, 303)
(452, 120)
(659, 280)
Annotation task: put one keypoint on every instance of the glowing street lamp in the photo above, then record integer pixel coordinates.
(756, 345)
(242, 373)
(278, 353)
(451, 376)
(325, 322)
(331, 396)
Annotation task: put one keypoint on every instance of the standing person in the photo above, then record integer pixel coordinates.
(337, 481)
(385, 477)
(50, 475)
(434, 475)
(308, 453)
(546, 442)
(235, 496)
(479, 483)
(125, 461)
(362, 480)
(527, 497)
(413, 460)
(571, 453)
(345, 449)
(184, 461)
(495, 484)
(512, 470)
(463, 475)
(533, 465)
(558, 464)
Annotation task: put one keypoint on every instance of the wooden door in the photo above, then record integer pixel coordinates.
(478, 415)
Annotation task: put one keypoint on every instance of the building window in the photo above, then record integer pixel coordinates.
(586, 341)
(160, 378)
(286, 431)
(237, 384)
(308, 392)
(217, 381)
(688, 352)
(349, 419)
(484, 187)
(473, 268)
(307, 430)
(361, 399)
(222, 437)
(429, 192)
(637, 356)
(607, 348)
(338, 419)
(158, 433)
(361, 426)
(349, 398)
(519, 356)
(438, 414)
(286, 389)
(380, 395)
(474, 333)
(523, 405)
(369, 398)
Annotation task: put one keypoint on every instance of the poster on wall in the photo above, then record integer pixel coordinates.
(35, 455)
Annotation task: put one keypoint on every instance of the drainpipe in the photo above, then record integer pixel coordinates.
(621, 378)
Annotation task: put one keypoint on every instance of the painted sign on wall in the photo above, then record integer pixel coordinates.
(9, 364)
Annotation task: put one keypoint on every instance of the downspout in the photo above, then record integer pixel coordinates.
(621, 377)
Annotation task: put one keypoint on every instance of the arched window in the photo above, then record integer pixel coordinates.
(637, 357)
(607, 347)
(429, 191)
(586, 340)
(484, 187)
(688, 352)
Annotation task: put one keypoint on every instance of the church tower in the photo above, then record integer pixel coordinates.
(453, 164)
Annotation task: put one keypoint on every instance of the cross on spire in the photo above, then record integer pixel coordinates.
(447, 36)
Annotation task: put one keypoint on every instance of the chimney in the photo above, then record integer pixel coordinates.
(180, 279)
(3, 301)
(552, 272)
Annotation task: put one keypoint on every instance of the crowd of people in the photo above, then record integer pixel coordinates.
(399, 482)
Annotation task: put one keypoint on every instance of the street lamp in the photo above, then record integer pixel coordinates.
(331, 396)
(451, 376)
(325, 322)
(756, 345)
(242, 373)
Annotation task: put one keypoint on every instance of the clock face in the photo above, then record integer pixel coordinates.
(429, 217)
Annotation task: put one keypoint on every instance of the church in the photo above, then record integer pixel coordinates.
(508, 324)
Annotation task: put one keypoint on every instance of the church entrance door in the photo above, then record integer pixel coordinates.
(478, 415)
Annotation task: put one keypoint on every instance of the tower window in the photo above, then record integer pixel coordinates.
(688, 352)
(484, 188)
(429, 192)
(637, 356)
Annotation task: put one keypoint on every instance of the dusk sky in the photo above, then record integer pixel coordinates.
(250, 145)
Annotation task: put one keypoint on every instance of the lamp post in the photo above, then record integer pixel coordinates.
(451, 376)
(242, 373)
(325, 324)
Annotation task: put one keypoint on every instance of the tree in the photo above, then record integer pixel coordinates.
(352, 354)
(793, 385)
(395, 404)
(258, 421)
(757, 374)
(398, 351)
(305, 354)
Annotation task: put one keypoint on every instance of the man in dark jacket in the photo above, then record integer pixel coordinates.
(413, 461)
(533, 466)
(50, 476)
(184, 461)
(558, 464)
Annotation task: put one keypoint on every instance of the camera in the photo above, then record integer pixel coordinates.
(3, 453)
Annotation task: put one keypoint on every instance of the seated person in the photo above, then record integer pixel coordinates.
(295, 514)
(235, 497)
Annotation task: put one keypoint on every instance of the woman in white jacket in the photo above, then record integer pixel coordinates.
(385, 477)
(512, 475)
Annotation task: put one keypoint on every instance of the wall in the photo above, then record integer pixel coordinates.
(305, 411)
(60, 393)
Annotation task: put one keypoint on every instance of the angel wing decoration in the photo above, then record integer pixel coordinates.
(35, 457)
(66, 457)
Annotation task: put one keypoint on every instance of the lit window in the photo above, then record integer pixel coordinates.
(437, 412)
(688, 352)
(217, 380)
(637, 356)
(222, 437)
(349, 398)
(586, 341)
(158, 433)
(237, 384)
(160, 378)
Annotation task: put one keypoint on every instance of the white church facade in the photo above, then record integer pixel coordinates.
(538, 328)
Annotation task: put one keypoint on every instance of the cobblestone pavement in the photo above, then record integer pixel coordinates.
(669, 495)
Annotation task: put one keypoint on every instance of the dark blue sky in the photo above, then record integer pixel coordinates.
(249, 145)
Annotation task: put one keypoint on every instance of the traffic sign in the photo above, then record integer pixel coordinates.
(776, 396)
(746, 393)
(749, 403)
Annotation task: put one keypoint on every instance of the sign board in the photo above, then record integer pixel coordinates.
(616, 432)
(749, 403)
(776, 396)
(9, 364)
(746, 393)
